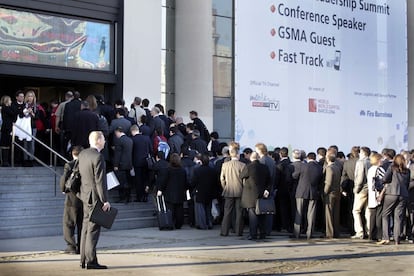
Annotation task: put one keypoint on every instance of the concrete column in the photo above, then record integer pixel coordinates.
(142, 50)
(193, 59)
(410, 33)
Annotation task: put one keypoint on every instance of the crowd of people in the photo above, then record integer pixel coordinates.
(365, 194)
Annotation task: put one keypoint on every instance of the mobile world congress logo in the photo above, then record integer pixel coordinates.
(322, 106)
(262, 101)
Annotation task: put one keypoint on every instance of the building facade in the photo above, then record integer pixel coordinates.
(175, 52)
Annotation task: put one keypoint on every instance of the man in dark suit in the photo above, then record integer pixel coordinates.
(123, 163)
(141, 149)
(202, 182)
(283, 201)
(156, 123)
(17, 106)
(69, 113)
(265, 159)
(198, 124)
(86, 121)
(257, 184)
(175, 141)
(93, 189)
(347, 185)
(310, 177)
(119, 121)
(197, 143)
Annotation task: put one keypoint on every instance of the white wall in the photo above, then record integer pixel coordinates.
(142, 50)
(193, 59)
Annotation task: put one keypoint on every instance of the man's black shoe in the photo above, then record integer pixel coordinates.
(96, 266)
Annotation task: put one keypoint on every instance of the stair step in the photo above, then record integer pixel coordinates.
(30, 206)
(54, 229)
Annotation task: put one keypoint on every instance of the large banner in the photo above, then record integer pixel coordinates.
(312, 73)
(56, 41)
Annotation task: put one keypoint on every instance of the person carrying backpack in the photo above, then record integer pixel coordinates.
(73, 210)
(160, 143)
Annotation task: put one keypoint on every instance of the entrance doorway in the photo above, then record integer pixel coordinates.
(48, 90)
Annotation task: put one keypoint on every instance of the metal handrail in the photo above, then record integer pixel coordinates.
(52, 151)
(37, 140)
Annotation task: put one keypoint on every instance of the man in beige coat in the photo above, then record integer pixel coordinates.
(232, 190)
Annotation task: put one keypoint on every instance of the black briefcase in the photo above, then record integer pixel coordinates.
(101, 217)
(265, 206)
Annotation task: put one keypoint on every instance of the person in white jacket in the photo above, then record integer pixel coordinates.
(374, 175)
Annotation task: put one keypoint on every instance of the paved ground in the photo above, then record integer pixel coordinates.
(197, 252)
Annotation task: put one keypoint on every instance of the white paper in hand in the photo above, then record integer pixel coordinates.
(111, 180)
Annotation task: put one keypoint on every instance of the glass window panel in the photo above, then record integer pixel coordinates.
(222, 36)
(222, 76)
(222, 117)
(167, 71)
(223, 7)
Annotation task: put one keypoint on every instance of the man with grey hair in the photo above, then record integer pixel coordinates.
(156, 124)
(179, 122)
(136, 110)
(232, 190)
(256, 185)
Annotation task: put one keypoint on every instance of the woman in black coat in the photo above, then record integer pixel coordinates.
(256, 184)
(396, 179)
(173, 185)
(203, 181)
(8, 117)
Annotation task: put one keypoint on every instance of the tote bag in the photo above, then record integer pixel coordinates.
(24, 123)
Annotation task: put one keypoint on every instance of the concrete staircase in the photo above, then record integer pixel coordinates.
(29, 206)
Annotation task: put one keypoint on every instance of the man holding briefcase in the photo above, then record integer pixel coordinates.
(93, 189)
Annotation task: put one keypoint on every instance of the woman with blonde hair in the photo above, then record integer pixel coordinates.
(26, 127)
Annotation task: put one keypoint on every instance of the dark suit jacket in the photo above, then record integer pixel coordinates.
(203, 182)
(159, 167)
(285, 169)
(397, 182)
(166, 128)
(8, 118)
(199, 145)
(175, 142)
(141, 147)
(93, 176)
(348, 175)
(310, 178)
(71, 109)
(120, 122)
(204, 134)
(86, 121)
(173, 184)
(332, 179)
(256, 179)
(123, 153)
(157, 123)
